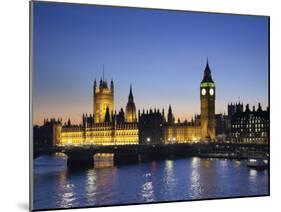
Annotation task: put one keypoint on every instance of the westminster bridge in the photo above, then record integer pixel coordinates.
(84, 155)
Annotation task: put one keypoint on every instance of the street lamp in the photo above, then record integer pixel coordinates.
(148, 139)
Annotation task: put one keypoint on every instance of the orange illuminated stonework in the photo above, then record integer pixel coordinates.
(107, 127)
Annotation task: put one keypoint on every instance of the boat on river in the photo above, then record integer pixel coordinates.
(258, 163)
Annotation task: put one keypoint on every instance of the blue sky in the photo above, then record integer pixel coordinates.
(162, 53)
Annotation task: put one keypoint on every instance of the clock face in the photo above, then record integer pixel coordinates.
(212, 91)
(203, 91)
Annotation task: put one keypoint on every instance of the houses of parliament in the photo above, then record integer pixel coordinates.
(106, 126)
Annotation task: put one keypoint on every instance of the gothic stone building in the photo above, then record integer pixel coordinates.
(195, 131)
(107, 127)
(250, 126)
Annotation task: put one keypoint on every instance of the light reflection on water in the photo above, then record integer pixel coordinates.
(195, 184)
(170, 179)
(147, 192)
(56, 186)
(66, 191)
(253, 173)
(91, 188)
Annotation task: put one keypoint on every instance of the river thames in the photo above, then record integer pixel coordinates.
(56, 186)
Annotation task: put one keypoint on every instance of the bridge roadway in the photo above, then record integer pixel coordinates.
(78, 155)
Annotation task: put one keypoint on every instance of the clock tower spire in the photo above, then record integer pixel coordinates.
(207, 100)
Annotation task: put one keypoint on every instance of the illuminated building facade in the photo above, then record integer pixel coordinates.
(196, 130)
(107, 127)
(103, 98)
(207, 100)
(100, 134)
(250, 126)
(181, 132)
(104, 127)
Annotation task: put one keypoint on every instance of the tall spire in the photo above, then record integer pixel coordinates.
(207, 73)
(103, 72)
(111, 85)
(131, 92)
(131, 115)
(207, 69)
(170, 115)
(131, 97)
(103, 82)
(95, 85)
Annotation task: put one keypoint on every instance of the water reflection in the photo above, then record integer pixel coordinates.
(207, 177)
(67, 199)
(253, 173)
(147, 192)
(60, 155)
(237, 163)
(207, 163)
(190, 178)
(66, 195)
(223, 162)
(100, 185)
(170, 178)
(103, 160)
(195, 187)
(91, 186)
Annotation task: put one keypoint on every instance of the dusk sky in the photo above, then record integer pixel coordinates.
(161, 53)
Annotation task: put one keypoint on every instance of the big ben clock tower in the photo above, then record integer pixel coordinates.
(207, 99)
